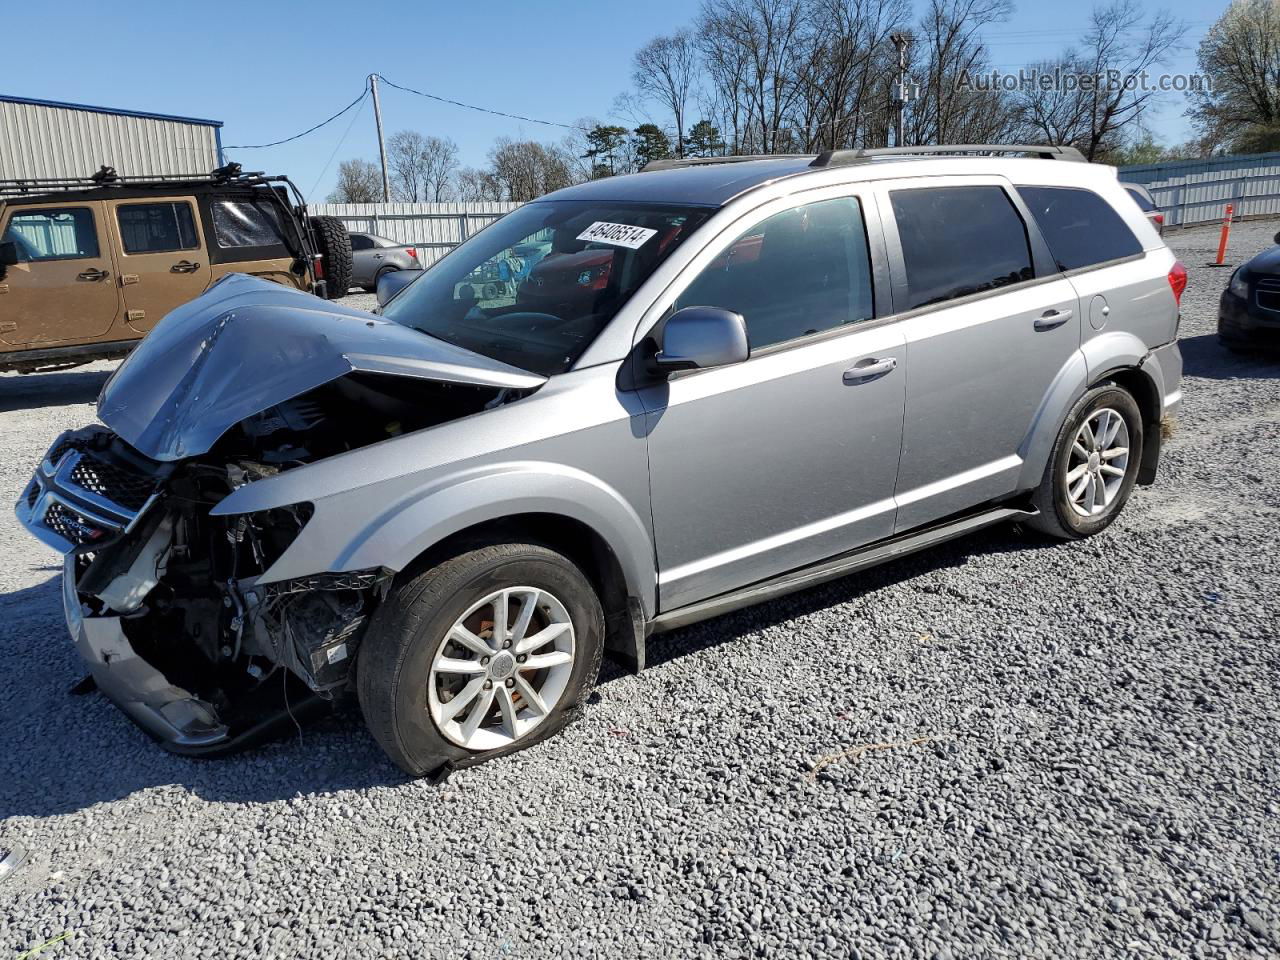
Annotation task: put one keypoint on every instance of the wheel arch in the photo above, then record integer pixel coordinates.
(578, 542)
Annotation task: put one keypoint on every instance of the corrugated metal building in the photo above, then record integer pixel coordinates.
(1198, 191)
(42, 138)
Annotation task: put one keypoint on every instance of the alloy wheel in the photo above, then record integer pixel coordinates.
(502, 669)
(1098, 462)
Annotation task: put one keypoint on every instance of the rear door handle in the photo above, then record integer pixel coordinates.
(184, 266)
(93, 274)
(864, 370)
(1052, 318)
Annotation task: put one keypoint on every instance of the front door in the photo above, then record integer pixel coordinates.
(989, 324)
(63, 290)
(163, 260)
(789, 457)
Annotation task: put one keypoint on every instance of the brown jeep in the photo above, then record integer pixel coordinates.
(88, 266)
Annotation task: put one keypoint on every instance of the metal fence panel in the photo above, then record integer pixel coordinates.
(434, 228)
(1197, 191)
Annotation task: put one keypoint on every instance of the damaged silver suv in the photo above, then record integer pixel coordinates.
(631, 405)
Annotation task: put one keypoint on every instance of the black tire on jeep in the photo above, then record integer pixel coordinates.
(443, 684)
(333, 243)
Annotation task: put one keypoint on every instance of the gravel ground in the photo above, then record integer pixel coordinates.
(1097, 777)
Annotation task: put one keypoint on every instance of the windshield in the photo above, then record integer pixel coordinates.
(536, 288)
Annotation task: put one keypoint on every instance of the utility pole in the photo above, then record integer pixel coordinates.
(900, 40)
(382, 145)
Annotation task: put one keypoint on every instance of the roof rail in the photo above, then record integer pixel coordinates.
(673, 164)
(107, 177)
(1044, 151)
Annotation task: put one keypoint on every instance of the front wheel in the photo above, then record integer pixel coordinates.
(479, 656)
(1093, 467)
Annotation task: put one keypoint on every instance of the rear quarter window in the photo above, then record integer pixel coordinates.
(958, 241)
(1080, 227)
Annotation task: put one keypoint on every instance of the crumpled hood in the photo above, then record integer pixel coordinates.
(248, 344)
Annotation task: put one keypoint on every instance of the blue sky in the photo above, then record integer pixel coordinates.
(269, 71)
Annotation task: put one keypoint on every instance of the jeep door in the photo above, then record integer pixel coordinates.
(789, 457)
(162, 256)
(63, 288)
(989, 324)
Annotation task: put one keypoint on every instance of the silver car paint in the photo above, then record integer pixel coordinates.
(803, 486)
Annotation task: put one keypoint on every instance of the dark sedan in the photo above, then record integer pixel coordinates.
(1249, 311)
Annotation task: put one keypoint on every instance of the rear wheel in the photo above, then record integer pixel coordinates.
(480, 656)
(1093, 467)
(333, 243)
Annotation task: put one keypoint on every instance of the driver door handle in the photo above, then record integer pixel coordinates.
(1052, 318)
(184, 266)
(864, 370)
(93, 274)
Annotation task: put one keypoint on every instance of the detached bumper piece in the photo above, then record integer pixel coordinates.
(181, 722)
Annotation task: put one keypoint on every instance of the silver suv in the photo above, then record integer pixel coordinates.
(699, 387)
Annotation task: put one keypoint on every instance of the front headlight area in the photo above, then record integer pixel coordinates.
(1239, 285)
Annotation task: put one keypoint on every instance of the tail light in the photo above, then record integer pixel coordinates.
(317, 266)
(1178, 280)
(1158, 218)
(413, 252)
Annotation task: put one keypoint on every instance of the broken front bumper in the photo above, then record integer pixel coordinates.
(173, 716)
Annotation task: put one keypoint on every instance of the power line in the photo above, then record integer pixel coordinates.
(297, 136)
(469, 106)
(346, 133)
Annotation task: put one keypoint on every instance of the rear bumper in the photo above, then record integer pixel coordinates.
(1165, 366)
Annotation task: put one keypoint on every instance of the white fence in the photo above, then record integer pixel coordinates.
(1198, 191)
(434, 228)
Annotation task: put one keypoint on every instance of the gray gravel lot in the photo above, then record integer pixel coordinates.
(1100, 779)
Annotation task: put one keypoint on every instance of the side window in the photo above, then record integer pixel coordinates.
(801, 271)
(958, 241)
(360, 242)
(1080, 227)
(156, 227)
(65, 233)
(247, 223)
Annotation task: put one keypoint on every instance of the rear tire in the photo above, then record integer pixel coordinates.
(1081, 493)
(437, 685)
(333, 243)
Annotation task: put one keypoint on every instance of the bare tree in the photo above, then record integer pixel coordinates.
(476, 186)
(762, 40)
(1120, 49)
(359, 181)
(526, 169)
(947, 48)
(664, 71)
(1241, 56)
(847, 56)
(421, 166)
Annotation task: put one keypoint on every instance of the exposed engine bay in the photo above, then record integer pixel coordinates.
(186, 588)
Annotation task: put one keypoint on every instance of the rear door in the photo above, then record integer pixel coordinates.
(163, 260)
(365, 258)
(63, 290)
(989, 323)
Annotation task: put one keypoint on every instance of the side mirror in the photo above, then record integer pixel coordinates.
(389, 284)
(9, 254)
(699, 337)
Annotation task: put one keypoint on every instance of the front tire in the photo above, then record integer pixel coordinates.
(441, 680)
(1093, 466)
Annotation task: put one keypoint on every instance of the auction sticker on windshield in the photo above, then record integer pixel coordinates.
(617, 234)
